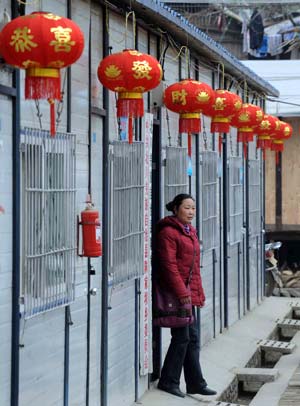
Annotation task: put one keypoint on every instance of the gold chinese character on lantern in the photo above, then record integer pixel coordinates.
(31, 64)
(112, 71)
(244, 117)
(51, 16)
(57, 64)
(22, 40)
(259, 115)
(179, 97)
(142, 70)
(62, 42)
(219, 103)
(265, 125)
(202, 97)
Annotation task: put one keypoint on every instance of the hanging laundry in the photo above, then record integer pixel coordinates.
(256, 30)
(263, 49)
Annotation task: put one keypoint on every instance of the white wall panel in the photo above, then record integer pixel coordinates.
(121, 345)
(5, 242)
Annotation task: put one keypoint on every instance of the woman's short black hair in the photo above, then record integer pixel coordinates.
(176, 202)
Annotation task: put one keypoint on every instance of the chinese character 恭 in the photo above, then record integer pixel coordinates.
(22, 40)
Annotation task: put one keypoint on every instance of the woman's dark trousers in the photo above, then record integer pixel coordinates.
(183, 352)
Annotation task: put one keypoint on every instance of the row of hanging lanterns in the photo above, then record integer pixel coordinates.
(43, 43)
(190, 98)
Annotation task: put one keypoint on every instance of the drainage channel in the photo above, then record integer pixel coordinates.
(260, 367)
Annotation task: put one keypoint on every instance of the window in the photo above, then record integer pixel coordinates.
(127, 211)
(48, 220)
(176, 180)
(235, 199)
(209, 199)
(255, 200)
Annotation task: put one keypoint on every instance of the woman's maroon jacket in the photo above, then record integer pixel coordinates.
(173, 249)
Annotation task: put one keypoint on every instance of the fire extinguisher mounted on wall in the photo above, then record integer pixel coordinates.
(91, 232)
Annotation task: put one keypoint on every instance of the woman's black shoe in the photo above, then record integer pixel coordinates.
(174, 390)
(201, 391)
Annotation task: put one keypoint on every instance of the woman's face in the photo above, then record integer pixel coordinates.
(186, 211)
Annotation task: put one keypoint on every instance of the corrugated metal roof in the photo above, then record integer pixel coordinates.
(163, 16)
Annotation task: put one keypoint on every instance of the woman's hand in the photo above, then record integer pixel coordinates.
(185, 300)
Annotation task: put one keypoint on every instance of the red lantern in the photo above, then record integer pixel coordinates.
(283, 132)
(225, 106)
(264, 131)
(130, 73)
(42, 43)
(246, 120)
(189, 98)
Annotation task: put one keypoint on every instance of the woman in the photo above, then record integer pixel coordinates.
(176, 250)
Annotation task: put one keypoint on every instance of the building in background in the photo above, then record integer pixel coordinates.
(282, 180)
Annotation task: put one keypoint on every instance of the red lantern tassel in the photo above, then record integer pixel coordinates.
(189, 145)
(52, 117)
(130, 104)
(130, 130)
(220, 144)
(220, 125)
(245, 149)
(189, 123)
(42, 83)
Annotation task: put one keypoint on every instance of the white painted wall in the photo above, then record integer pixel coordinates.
(5, 244)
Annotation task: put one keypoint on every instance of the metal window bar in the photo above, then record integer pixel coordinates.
(255, 200)
(176, 179)
(127, 203)
(209, 184)
(235, 199)
(48, 216)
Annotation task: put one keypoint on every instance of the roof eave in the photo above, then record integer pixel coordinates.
(166, 18)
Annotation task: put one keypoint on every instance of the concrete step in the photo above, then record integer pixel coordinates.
(277, 346)
(261, 375)
(295, 380)
(289, 323)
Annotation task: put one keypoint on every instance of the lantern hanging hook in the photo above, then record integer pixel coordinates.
(188, 61)
(223, 74)
(133, 27)
(28, 2)
(246, 90)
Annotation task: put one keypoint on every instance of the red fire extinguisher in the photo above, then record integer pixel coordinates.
(91, 232)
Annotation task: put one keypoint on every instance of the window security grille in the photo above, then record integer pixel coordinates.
(235, 199)
(48, 220)
(209, 184)
(127, 211)
(255, 197)
(176, 180)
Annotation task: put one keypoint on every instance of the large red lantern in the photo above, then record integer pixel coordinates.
(283, 132)
(246, 120)
(264, 131)
(189, 98)
(42, 43)
(130, 73)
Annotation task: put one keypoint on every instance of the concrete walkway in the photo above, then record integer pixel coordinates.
(232, 349)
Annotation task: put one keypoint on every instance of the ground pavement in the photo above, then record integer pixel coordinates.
(232, 349)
